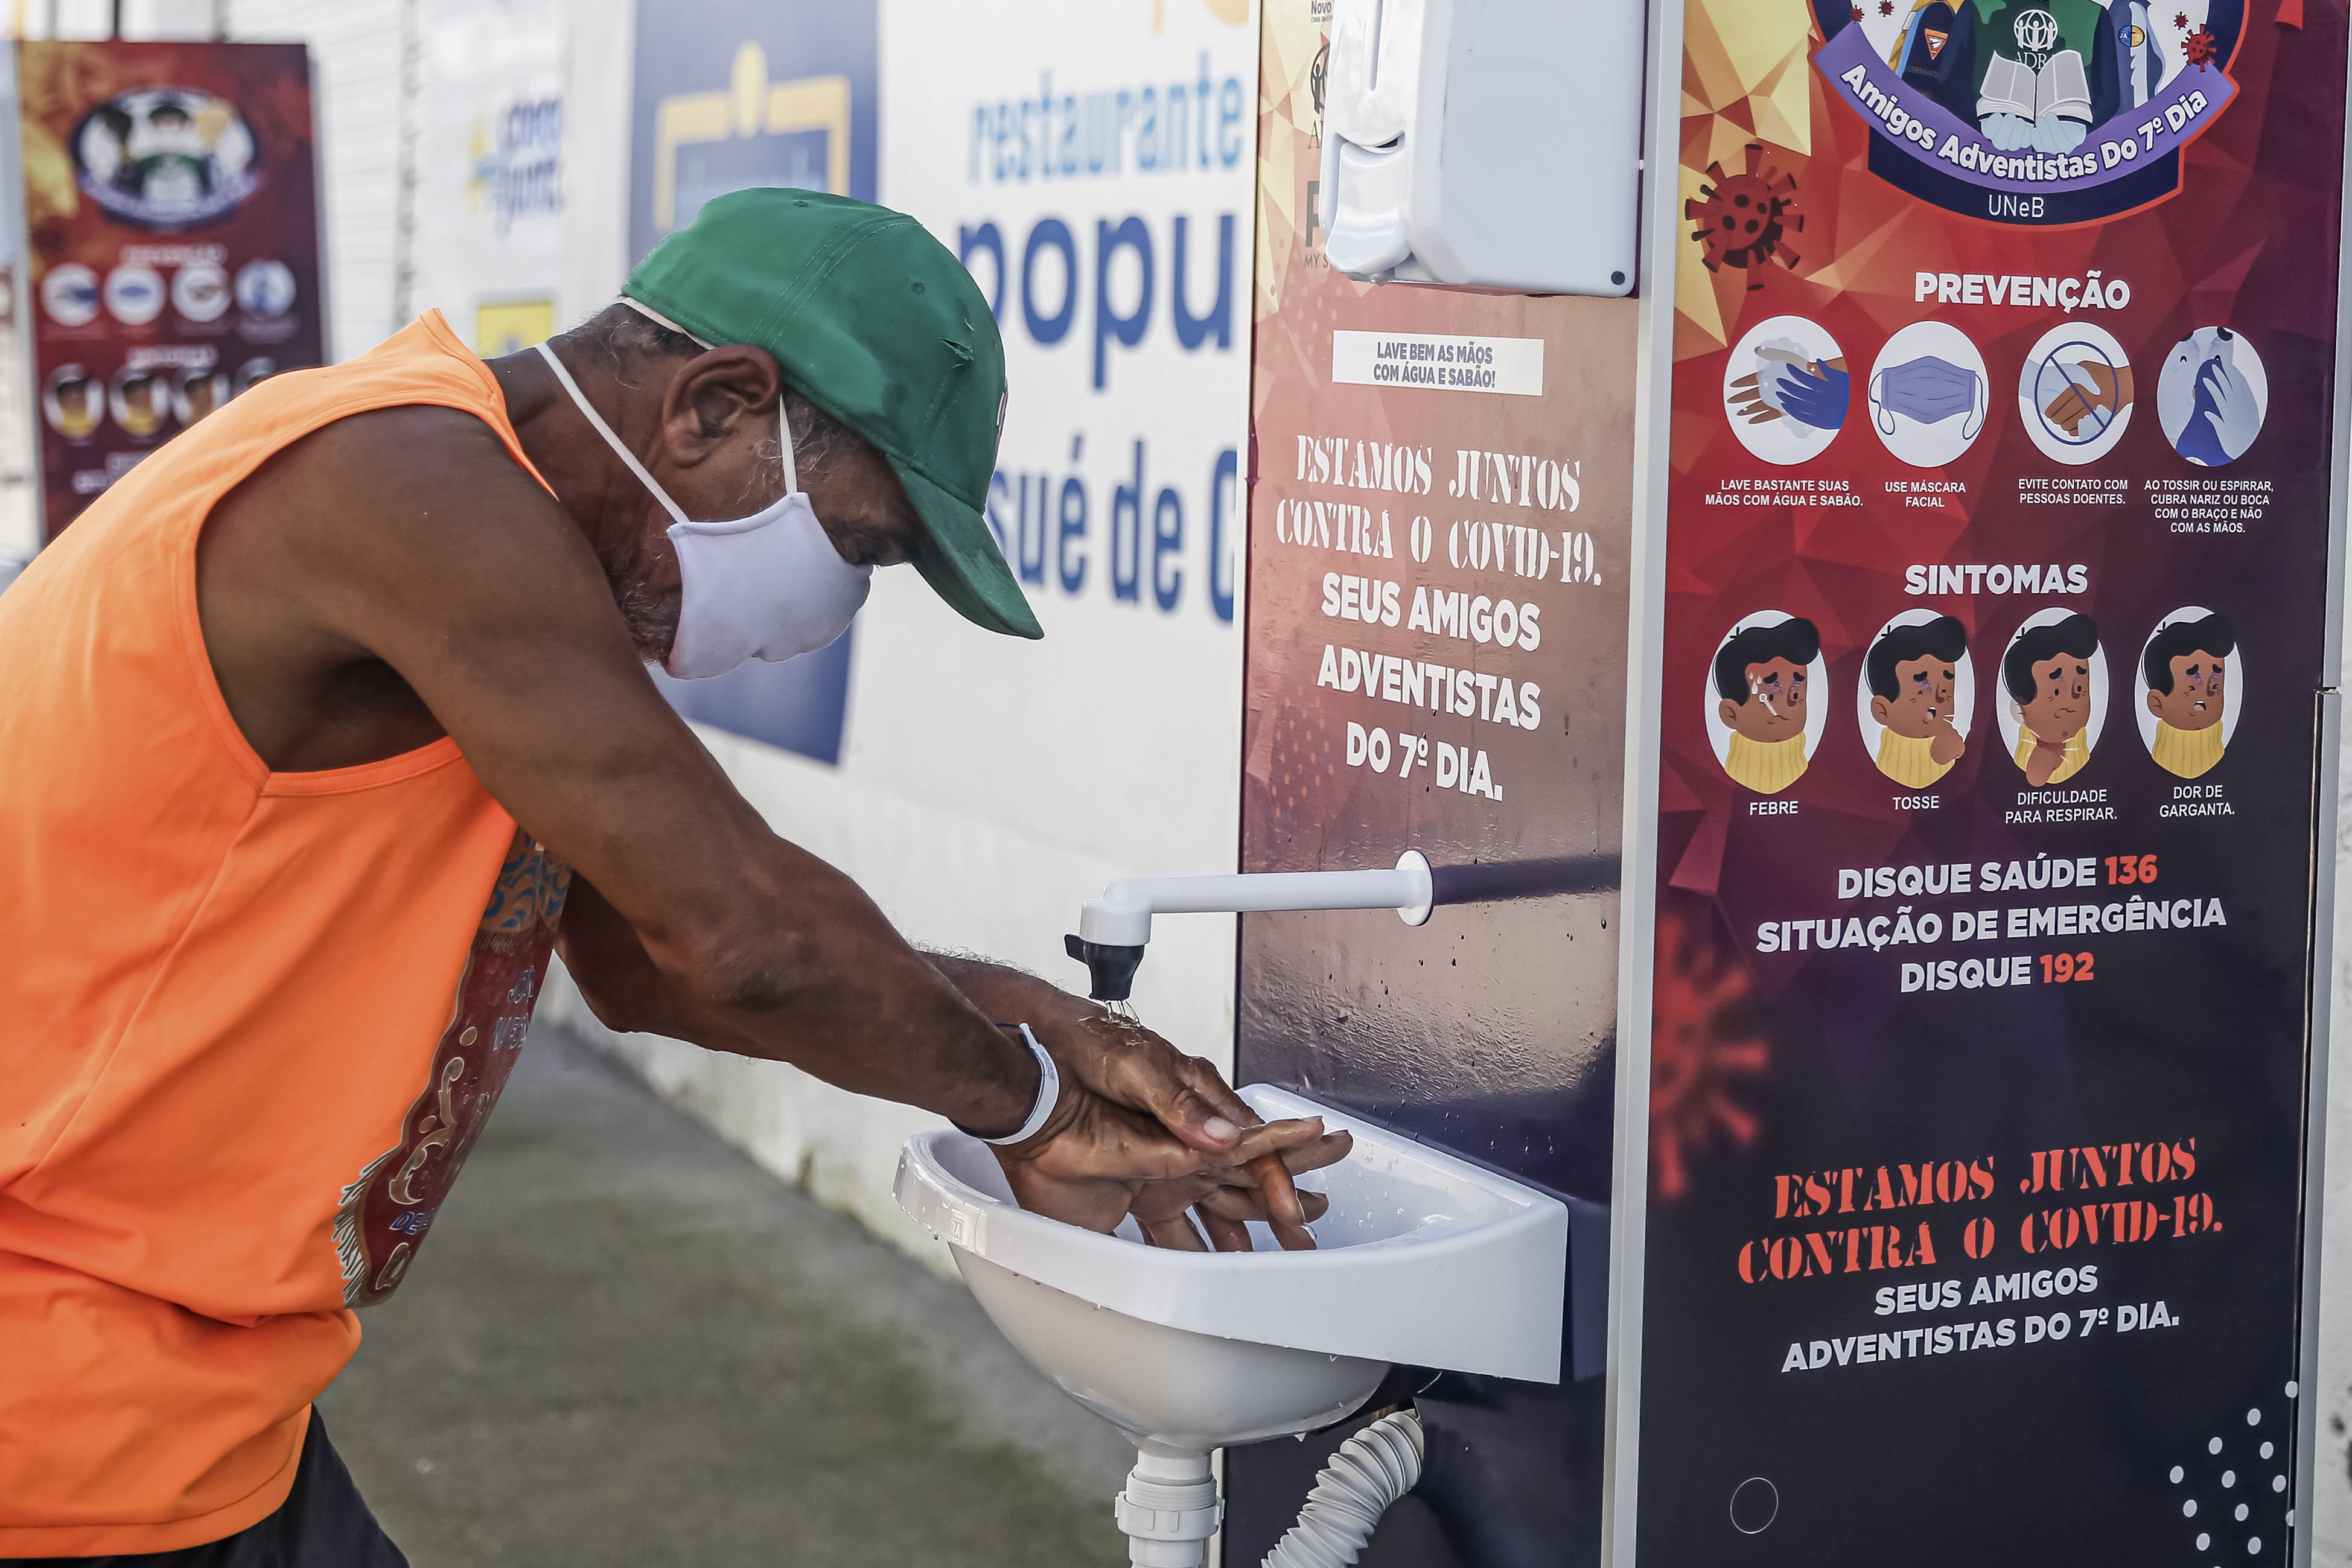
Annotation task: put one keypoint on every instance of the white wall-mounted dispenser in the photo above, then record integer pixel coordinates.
(1487, 143)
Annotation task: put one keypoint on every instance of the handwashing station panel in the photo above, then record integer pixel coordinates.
(1494, 143)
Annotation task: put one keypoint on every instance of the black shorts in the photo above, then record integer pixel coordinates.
(323, 1523)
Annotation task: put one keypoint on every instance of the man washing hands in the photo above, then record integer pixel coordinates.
(1173, 1114)
(344, 729)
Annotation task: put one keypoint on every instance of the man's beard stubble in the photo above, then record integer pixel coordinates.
(649, 615)
(651, 619)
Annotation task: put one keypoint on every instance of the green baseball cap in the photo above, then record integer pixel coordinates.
(873, 321)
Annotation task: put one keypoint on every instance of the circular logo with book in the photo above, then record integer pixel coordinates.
(2032, 111)
(166, 157)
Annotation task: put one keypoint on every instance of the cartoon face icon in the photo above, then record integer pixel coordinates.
(1762, 683)
(2060, 703)
(1917, 690)
(1774, 706)
(2194, 700)
(1923, 698)
(2186, 673)
(140, 399)
(73, 400)
(2048, 674)
(1921, 707)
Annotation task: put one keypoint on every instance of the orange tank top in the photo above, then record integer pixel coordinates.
(250, 1022)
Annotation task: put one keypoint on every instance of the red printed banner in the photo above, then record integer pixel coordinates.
(1996, 577)
(171, 218)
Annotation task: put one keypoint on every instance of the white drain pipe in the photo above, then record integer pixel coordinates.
(1169, 1510)
(1371, 1470)
(1170, 1507)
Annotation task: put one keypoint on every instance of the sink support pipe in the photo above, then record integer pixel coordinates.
(1171, 1508)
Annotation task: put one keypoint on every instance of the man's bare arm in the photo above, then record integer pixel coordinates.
(408, 539)
(410, 536)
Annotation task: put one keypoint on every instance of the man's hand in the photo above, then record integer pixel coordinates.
(1225, 1200)
(1233, 1175)
(1094, 1162)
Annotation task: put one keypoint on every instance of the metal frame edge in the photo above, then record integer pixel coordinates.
(2327, 722)
(1637, 908)
(2327, 713)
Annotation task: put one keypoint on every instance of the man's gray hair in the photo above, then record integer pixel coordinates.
(628, 340)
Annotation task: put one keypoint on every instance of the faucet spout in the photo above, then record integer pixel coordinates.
(1111, 966)
(1114, 929)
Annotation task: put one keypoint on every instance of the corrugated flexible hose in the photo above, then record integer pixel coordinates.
(1371, 1470)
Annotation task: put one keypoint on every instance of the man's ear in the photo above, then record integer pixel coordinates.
(1729, 712)
(711, 394)
(2154, 702)
(1880, 708)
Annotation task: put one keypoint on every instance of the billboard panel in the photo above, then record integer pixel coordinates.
(2004, 359)
(490, 169)
(1437, 621)
(172, 243)
(732, 94)
(1092, 165)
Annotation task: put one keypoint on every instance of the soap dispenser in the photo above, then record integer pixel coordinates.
(1483, 143)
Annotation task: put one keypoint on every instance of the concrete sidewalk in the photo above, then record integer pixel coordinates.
(624, 1343)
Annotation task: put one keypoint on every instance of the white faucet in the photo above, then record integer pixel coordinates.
(1114, 929)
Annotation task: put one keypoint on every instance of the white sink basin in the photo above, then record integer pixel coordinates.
(1424, 1258)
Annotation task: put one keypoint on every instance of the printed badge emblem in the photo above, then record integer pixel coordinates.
(2037, 34)
(382, 1216)
(2060, 112)
(166, 157)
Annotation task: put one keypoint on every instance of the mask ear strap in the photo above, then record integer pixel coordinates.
(785, 439)
(605, 430)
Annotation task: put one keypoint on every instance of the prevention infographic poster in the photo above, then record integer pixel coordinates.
(172, 227)
(1440, 502)
(1998, 565)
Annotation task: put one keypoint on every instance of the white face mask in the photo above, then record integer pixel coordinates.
(770, 586)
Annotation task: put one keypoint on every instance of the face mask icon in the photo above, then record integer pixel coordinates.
(1929, 389)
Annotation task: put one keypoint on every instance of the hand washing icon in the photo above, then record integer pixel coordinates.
(1786, 390)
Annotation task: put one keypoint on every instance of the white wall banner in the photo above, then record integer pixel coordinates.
(489, 169)
(1093, 165)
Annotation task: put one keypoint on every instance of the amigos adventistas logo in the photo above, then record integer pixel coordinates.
(2032, 111)
(166, 157)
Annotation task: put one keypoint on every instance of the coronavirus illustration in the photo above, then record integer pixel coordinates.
(1704, 1048)
(1744, 220)
(2201, 48)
